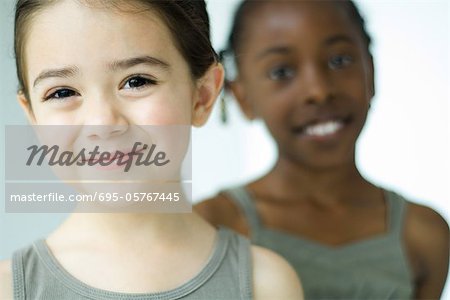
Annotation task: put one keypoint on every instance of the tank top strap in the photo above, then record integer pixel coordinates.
(243, 199)
(18, 275)
(396, 206)
(245, 268)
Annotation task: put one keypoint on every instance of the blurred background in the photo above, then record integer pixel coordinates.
(405, 145)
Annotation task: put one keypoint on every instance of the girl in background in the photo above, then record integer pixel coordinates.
(305, 69)
(111, 65)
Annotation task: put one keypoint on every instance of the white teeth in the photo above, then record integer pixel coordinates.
(324, 129)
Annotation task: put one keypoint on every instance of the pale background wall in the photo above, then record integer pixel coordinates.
(405, 145)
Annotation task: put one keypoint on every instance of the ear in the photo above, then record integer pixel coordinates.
(26, 106)
(239, 94)
(207, 91)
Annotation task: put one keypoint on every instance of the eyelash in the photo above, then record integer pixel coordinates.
(52, 96)
(147, 82)
(144, 82)
(276, 77)
(345, 61)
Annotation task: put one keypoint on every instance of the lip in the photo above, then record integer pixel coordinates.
(112, 163)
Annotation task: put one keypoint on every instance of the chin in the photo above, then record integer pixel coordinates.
(325, 162)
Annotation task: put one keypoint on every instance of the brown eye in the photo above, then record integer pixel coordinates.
(61, 94)
(339, 61)
(137, 82)
(281, 73)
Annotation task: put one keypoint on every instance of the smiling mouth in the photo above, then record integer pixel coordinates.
(115, 157)
(323, 128)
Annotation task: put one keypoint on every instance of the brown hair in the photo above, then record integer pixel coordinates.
(187, 20)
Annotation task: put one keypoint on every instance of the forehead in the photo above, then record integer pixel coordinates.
(308, 21)
(72, 33)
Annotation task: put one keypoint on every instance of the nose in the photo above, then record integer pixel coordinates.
(317, 84)
(103, 118)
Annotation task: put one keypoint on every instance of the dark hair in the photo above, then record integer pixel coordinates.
(187, 21)
(246, 6)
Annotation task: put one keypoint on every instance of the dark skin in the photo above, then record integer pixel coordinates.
(301, 65)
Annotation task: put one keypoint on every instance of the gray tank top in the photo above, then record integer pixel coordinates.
(374, 268)
(227, 275)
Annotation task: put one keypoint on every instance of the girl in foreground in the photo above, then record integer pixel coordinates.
(305, 68)
(124, 63)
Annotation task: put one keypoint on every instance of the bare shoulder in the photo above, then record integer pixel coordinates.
(273, 277)
(6, 288)
(220, 210)
(427, 238)
(426, 225)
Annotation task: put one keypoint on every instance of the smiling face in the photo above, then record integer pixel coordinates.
(304, 68)
(109, 73)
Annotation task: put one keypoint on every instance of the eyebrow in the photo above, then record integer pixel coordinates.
(339, 38)
(131, 62)
(71, 71)
(61, 73)
(273, 50)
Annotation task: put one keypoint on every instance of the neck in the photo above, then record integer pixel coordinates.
(297, 181)
(145, 229)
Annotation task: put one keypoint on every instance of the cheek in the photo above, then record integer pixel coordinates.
(53, 134)
(275, 117)
(158, 115)
(169, 109)
(277, 105)
(357, 83)
(45, 116)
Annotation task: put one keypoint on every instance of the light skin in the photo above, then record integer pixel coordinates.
(102, 86)
(303, 64)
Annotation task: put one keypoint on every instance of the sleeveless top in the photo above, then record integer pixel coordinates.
(226, 275)
(373, 268)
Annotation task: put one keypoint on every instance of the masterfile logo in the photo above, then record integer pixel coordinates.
(98, 168)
